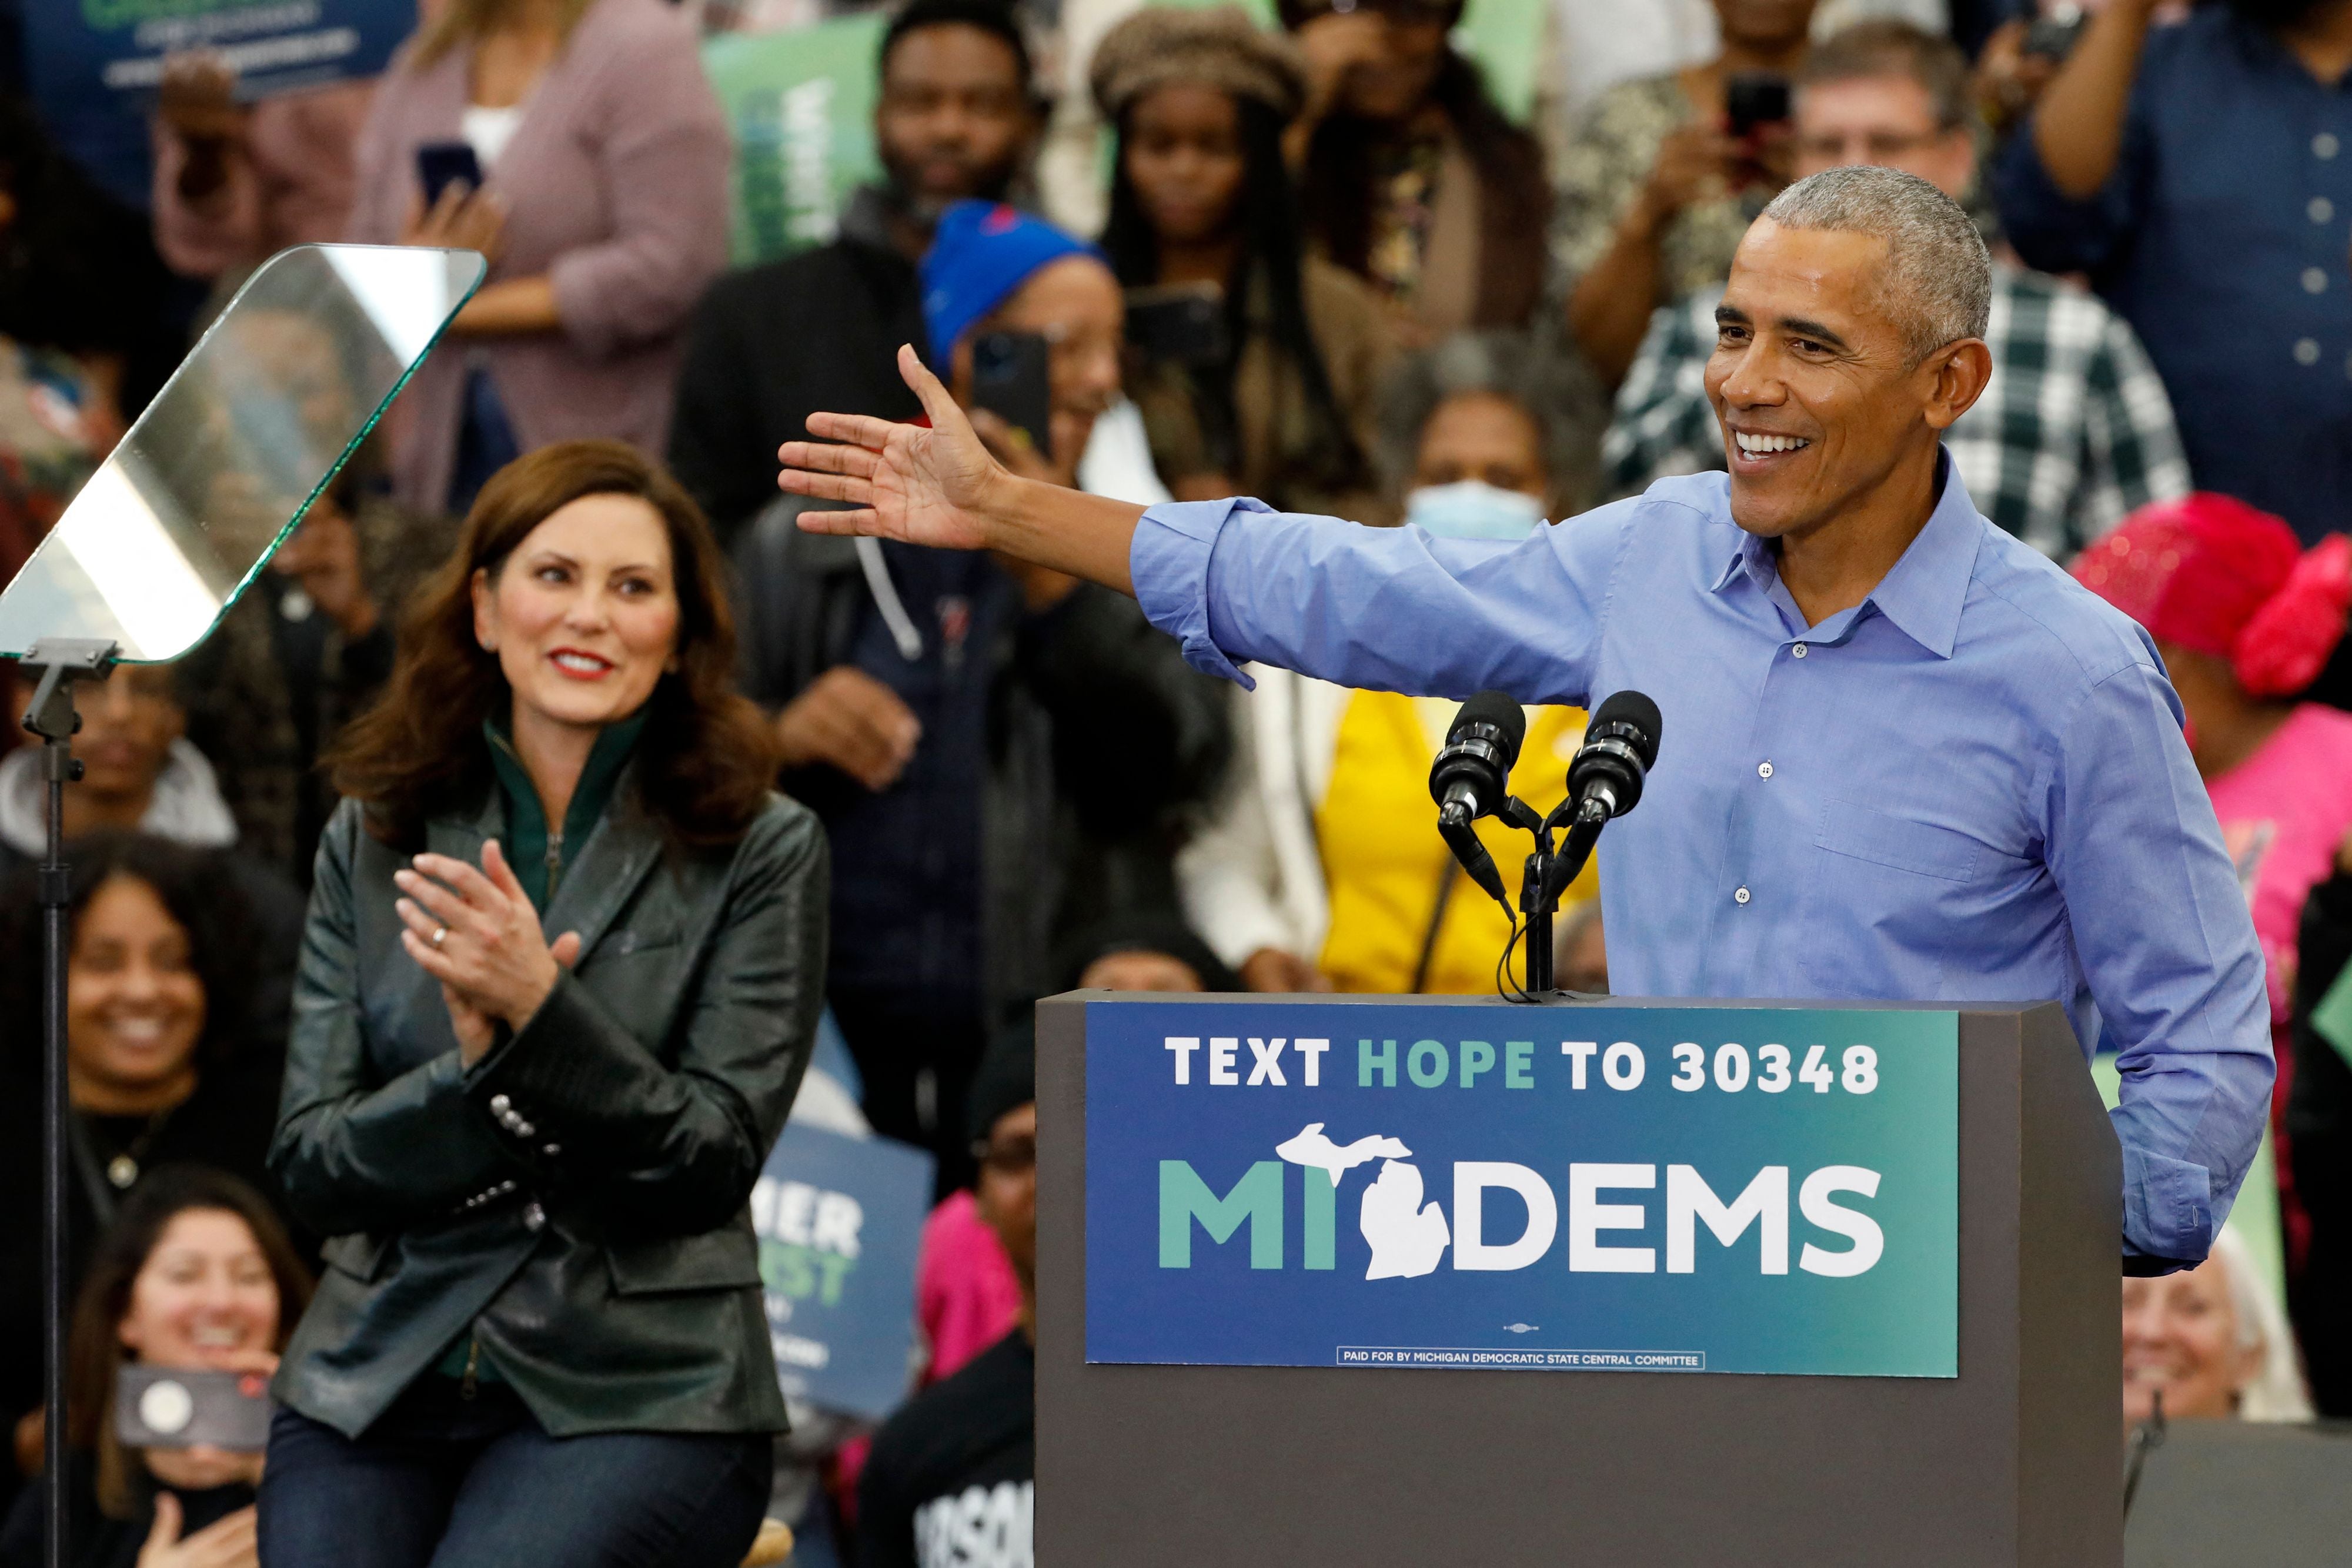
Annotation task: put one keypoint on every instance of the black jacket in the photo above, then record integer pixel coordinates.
(579, 1197)
(2319, 1146)
(1102, 741)
(816, 332)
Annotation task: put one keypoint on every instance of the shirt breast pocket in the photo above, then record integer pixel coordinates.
(1890, 900)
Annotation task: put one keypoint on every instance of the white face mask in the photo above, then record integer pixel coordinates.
(1472, 510)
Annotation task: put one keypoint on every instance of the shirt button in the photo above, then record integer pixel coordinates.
(533, 1216)
(2306, 350)
(2314, 280)
(1763, 771)
(498, 1104)
(1740, 896)
(2321, 209)
(1799, 651)
(2323, 145)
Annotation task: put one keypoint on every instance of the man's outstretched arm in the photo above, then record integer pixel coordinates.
(1386, 608)
(939, 487)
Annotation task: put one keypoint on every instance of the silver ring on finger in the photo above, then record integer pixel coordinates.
(438, 933)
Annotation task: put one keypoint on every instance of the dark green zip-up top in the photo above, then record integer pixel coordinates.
(537, 856)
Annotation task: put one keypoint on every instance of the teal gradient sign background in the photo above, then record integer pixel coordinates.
(1224, 1227)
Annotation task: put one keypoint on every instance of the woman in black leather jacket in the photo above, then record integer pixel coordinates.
(560, 980)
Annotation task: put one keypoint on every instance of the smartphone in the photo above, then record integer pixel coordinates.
(440, 164)
(1181, 324)
(185, 1407)
(2052, 37)
(1009, 379)
(1755, 98)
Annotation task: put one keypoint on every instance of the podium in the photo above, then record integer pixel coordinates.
(1647, 1390)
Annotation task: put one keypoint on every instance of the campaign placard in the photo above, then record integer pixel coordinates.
(1700, 1191)
(94, 64)
(839, 1221)
(800, 104)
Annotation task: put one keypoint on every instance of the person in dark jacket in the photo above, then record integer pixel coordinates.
(952, 1478)
(1005, 756)
(2319, 1134)
(956, 117)
(541, 1336)
(195, 1273)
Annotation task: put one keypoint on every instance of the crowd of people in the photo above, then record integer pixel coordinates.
(1323, 267)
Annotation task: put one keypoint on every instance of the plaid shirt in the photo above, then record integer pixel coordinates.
(2074, 432)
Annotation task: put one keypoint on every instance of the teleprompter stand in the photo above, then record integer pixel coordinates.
(60, 662)
(2015, 1463)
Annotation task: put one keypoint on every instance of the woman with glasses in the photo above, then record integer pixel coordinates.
(1410, 177)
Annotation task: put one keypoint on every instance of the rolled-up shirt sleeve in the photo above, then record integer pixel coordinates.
(1381, 608)
(2168, 948)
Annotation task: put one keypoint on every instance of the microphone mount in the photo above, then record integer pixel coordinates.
(1604, 781)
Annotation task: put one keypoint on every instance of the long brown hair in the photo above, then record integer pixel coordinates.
(707, 758)
(468, 21)
(95, 1351)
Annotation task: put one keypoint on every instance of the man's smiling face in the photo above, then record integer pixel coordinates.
(1811, 378)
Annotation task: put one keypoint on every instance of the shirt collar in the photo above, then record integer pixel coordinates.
(1924, 592)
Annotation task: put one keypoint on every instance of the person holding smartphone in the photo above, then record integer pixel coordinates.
(1410, 177)
(194, 1277)
(1258, 362)
(578, 144)
(1007, 756)
(1665, 172)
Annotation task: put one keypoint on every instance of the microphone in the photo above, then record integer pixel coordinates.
(1471, 776)
(1620, 744)
(1471, 779)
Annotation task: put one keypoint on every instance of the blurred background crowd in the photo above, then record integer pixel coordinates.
(1398, 260)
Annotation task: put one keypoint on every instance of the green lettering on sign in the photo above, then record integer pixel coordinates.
(1184, 1197)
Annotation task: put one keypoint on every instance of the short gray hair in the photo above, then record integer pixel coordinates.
(1938, 277)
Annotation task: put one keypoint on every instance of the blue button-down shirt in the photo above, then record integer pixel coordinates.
(2222, 237)
(1971, 787)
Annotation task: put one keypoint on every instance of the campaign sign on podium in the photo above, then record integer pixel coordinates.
(1750, 1190)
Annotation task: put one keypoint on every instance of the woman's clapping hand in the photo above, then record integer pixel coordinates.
(478, 933)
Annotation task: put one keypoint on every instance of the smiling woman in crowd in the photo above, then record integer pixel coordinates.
(561, 979)
(161, 1065)
(195, 1273)
(2210, 1341)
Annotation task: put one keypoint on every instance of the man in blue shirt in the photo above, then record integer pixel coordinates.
(1906, 758)
(2202, 175)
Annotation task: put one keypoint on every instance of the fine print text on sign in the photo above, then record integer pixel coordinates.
(1759, 1190)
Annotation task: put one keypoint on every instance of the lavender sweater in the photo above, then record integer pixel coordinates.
(615, 186)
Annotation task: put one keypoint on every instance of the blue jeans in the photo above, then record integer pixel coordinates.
(450, 1483)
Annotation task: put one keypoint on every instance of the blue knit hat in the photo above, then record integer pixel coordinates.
(980, 253)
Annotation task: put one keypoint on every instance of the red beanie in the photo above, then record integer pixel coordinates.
(2215, 575)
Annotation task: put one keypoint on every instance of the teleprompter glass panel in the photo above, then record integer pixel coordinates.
(278, 391)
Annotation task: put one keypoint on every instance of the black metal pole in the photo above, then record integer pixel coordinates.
(60, 662)
(1540, 924)
(58, 768)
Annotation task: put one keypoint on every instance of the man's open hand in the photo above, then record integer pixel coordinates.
(901, 481)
